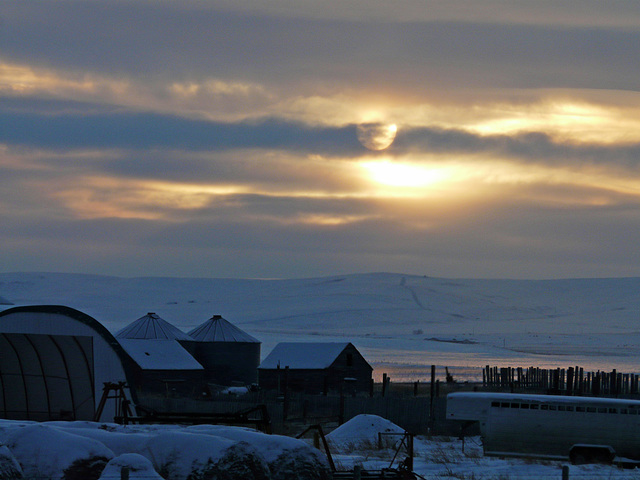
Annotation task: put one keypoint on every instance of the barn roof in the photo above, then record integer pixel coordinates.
(152, 327)
(302, 355)
(217, 329)
(159, 354)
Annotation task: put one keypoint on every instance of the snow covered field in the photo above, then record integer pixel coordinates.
(59, 450)
(448, 457)
(403, 324)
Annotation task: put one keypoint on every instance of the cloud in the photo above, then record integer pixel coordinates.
(219, 138)
(162, 39)
(531, 147)
(148, 130)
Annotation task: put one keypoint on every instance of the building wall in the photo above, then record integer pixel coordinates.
(227, 363)
(170, 383)
(351, 364)
(348, 365)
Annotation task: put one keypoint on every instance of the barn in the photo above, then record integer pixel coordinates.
(162, 366)
(228, 354)
(315, 368)
(55, 361)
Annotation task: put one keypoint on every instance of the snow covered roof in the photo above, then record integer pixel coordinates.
(303, 355)
(217, 329)
(159, 354)
(4, 301)
(151, 326)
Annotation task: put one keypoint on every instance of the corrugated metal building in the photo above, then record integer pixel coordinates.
(228, 354)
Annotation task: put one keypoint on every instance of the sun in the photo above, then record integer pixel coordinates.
(376, 136)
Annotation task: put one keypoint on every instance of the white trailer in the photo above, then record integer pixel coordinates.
(583, 429)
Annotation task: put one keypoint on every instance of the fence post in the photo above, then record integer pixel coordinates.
(124, 473)
(431, 393)
(285, 400)
(357, 472)
(565, 472)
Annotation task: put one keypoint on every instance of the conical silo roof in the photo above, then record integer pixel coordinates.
(152, 327)
(217, 329)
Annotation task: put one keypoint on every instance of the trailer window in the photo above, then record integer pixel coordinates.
(623, 411)
(562, 408)
(569, 408)
(544, 407)
(515, 405)
(504, 405)
(525, 405)
(534, 407)
(613, 410)
(552, 407)
(495, 404)
(602, 410)
(580, 409)
(591, 409)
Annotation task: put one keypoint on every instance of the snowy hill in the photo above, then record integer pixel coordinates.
(401, 323)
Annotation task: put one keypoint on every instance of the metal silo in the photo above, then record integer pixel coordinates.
(228, 354)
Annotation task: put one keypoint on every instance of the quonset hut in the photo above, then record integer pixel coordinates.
(54, 362)
(163, 366)
(228, 354)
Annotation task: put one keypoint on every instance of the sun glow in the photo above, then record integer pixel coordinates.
(396, 174)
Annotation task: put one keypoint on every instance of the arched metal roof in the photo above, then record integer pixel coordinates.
(217, 329)
(54, 363)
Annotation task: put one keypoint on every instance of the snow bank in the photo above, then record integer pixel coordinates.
(362, 432)
(139, 467)
(287, 457)
(118, 439)
(9, 466)
(270, 446)
(46, 452)
(174, 453)
(88, 451)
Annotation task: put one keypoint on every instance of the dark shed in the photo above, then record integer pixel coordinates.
(228, 354)
(315, 368)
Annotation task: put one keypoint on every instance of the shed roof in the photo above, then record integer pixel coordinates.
(303, 355)
(159, 354)
(152, 327)
(217, 329)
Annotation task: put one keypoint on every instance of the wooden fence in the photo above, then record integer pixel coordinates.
(570, 381)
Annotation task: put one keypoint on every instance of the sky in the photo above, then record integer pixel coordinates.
(290, 139)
